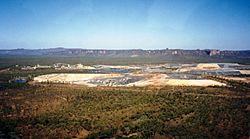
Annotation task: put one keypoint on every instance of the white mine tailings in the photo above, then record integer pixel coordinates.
(123, 80)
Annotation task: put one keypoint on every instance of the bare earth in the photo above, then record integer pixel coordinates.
(200, 67)
(245, 72)
(160, 80)
(149, 79)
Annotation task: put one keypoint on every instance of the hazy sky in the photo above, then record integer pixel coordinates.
(125, 24)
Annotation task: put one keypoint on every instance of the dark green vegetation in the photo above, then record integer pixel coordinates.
(68, 111)
(8, 61)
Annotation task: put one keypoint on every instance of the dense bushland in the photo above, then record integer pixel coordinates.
(64, 111)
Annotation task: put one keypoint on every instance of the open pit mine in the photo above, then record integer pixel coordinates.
(149, 75)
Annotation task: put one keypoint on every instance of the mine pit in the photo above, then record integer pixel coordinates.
(148, 75)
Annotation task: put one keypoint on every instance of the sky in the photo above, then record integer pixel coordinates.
(125, 24)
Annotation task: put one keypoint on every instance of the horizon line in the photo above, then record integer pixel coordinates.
(2, 49)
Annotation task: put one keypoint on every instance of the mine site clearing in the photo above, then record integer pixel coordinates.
(150, 75)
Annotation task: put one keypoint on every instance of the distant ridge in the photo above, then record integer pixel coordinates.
(127, 53)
